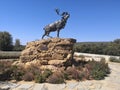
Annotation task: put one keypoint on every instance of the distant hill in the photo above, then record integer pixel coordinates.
(106, 48)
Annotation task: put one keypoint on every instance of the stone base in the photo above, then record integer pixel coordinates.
(52, 51)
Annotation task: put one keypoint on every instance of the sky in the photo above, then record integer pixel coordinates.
(90, 20)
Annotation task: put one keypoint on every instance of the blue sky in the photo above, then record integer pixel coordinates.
(90, 20)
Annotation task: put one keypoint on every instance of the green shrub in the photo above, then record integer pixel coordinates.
(98, 70)
(98, 74)
(8, 71)
(17, 72)
(81, 56)
(6, 75)
(40, 78)
(66, 76)
(46, 74)
(114, 59)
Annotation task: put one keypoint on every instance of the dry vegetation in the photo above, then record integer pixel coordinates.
(82, 70)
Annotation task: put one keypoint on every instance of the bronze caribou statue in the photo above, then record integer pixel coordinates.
(58, 25)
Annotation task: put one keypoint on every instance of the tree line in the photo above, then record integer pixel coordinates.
(6, 42)
(106, 48)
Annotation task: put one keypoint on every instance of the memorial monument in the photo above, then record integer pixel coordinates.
(50, 53)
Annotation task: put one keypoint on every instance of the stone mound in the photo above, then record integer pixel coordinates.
(52, 51)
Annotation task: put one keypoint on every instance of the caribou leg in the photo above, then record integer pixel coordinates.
(46, 33)
(58, 33)
(43, 36)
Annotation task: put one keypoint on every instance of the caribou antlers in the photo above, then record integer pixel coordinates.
(58, 12)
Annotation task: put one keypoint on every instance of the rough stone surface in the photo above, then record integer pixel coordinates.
(52, 51)
(48, 49)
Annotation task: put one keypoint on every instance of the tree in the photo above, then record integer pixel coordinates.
(17, 43)
(18, 46)
(117, 41)
(6, 43)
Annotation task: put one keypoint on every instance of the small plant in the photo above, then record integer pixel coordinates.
(5, 65)
(66, 76)
(40, 78)
(17, 72)
(82, 57)
(34, 69)
(56, 78)
(73, 73)
(5, 73)
(28, 76)
(114, 59)
(46, 73)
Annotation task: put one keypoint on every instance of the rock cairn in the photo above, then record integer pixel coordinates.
(52, 51)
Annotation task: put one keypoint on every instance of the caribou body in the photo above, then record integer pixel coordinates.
(56, 26)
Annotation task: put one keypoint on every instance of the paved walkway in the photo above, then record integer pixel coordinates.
(112, 82)
(96, 57)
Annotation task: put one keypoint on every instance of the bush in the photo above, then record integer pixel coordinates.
(82, 71)
(40, 78)
(5, 73)
(8, 71)
(17, 72)
(73, 73)
(56, 78)
(28, 76)
(46, 73)
(82, 57)
(98, 70)
(114, 59)
(33, 69)
(5, 65)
